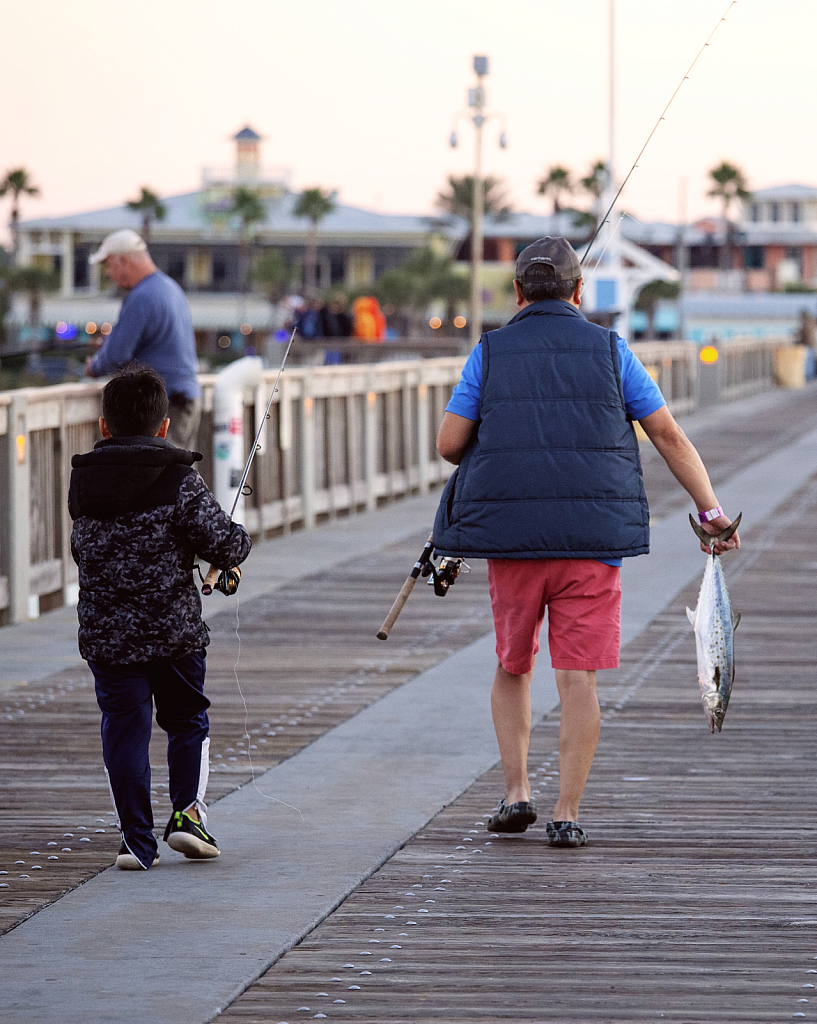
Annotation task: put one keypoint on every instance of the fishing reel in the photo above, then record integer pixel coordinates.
(444, 575)
(226, 582)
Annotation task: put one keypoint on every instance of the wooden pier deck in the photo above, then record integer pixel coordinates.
(696, 898)
(694, 902)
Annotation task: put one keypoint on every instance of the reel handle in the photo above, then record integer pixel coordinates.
(396, 608)
(209, 581)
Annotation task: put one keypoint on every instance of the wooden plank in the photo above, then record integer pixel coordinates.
(694, 900)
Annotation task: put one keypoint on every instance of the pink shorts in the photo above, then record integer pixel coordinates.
(583, 601)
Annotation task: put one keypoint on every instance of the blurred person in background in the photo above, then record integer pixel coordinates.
(336, 321)
(309, 322)
(154, 328)
(369, 322)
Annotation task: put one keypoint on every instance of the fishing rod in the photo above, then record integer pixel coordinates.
(443, 577)
(604, 219)
(226, 580)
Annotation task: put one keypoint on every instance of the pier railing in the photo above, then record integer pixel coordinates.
(340, 440)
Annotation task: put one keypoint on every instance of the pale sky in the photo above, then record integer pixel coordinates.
(100, 97)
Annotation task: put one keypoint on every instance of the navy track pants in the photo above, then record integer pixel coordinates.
(125, 694)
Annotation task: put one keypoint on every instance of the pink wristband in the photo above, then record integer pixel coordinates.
(713, 513)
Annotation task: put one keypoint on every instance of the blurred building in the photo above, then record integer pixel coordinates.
(197, 244)
(770, 248)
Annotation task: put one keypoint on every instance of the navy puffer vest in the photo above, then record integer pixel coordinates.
(554, 469)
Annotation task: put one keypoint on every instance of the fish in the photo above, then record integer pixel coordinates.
(714, 623)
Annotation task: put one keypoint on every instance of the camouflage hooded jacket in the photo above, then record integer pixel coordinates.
(141, 513)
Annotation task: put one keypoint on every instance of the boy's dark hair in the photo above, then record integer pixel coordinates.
(539, 282)
(134, 402)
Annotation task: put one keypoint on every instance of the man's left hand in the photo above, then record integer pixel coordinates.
(715, 527)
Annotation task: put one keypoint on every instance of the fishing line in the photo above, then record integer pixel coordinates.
(234, 592)
(655, 129)
(597, 264)
(266, 796)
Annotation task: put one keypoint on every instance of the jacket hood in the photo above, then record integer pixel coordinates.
(122, 474)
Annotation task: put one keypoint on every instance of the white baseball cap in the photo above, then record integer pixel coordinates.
(117, 243)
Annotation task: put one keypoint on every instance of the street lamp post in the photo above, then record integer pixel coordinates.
(477, 115)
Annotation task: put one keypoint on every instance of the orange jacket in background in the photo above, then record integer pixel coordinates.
(368, 321)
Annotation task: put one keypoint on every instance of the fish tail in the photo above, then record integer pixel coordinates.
(708, 539)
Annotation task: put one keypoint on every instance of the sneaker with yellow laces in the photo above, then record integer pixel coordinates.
(187, 836)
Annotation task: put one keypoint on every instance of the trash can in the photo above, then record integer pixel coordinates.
(790, 365)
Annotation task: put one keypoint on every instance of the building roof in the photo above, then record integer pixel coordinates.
(749, 305)
(186, 215)
(785, 192)
(247, 135)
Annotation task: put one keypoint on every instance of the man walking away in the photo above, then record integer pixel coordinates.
(154, 328)
(549, 490)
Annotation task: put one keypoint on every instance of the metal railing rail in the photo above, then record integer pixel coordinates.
(340, 440)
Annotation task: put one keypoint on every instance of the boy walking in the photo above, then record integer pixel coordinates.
(141, 514)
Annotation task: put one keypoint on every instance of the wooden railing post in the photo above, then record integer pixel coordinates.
(308, 454)
(422, 435)
(372, 441)
(18, 534)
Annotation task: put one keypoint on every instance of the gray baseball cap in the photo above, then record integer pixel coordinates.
(551, 251)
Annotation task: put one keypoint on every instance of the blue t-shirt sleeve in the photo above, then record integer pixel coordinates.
(121, 344)
(642, 396)
(465, 398)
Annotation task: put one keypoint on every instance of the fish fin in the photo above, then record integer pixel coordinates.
(691, 616)
(708, 539)
(735, 619)
(700, 532)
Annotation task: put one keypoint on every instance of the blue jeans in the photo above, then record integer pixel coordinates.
(125, 694)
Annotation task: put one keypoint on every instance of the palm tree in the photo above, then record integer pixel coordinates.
(557, 180)
(314, 204)
(426, 275)
(458, 199)
(16, 183)
(729, 184)
(248, 207)
(273, 275)
(649, 297)
(150, 207)
(34, 281)
(594, 183)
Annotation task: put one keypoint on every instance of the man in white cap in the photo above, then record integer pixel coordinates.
(154, 328)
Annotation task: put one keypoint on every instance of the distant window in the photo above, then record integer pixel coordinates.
(337, 268)
(755, 212)
(703, 256)
(794, 253)
(775, 211)
(219, 271)
(175, 268)
(796, 212)
(605, 294)
(754, 257)
(81, 266)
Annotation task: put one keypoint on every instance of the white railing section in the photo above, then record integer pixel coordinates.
(339, 440)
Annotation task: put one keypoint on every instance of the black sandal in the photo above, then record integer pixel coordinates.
(566, 833)
(513, 817)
